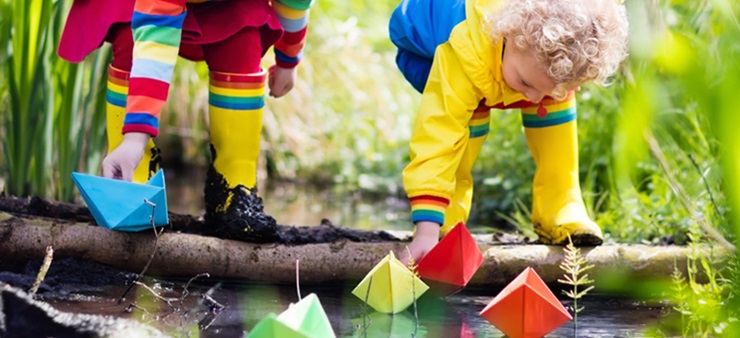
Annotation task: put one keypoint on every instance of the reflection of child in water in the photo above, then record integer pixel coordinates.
(468, 56)
(231, 36)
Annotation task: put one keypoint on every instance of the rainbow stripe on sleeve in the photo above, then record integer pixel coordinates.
(293, 16)
(558, 112)
(157, 29)
(428, 208)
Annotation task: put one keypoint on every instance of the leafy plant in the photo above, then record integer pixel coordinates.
(574, 265)
(680, 106)
(702, 297)
(521, 219)
(680, 297)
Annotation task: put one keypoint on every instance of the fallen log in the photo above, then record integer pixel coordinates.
(182, 254)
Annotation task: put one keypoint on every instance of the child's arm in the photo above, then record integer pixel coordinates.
(438, 142)
(439, 138)
(293, 16)
(157, 29)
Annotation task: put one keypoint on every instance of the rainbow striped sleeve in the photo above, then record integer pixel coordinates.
(293, 15)
(428, 208)
(157, 29)
(558, 112)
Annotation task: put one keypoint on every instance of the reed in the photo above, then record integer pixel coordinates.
(28, 123)
(54, 122)
(79, 113)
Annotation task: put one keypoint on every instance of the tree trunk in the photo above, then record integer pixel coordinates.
(186, 255)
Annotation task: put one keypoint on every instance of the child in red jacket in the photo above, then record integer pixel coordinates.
(231, 37)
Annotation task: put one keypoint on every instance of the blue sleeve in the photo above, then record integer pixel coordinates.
(419, 26)
(414, 68)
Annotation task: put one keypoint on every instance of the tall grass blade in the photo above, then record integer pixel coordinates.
(28, 123)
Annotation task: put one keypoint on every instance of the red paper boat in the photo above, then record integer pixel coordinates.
(526, 308)
(450, 265)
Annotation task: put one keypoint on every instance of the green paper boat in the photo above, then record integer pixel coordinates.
(271, 327)
(121, 205)
(393, 287)
(308, 316)
(303, 319)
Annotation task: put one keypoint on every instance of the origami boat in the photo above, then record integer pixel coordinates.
(390, 287)
(303, 319)
(450, 265)
(308, 316)
(271, 327)
(526, 308)
(122, 205)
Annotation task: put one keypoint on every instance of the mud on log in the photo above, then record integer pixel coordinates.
(181, 254)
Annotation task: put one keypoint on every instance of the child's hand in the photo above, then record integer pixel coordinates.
(121, 162)
(427, 236)
(281, 80)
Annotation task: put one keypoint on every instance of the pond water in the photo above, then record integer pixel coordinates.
(245, 304)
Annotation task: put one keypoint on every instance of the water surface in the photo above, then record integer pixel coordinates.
(245, 304)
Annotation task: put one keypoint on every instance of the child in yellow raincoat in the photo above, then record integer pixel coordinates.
(468, 56)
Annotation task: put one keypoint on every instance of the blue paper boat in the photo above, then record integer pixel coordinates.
(121, 205)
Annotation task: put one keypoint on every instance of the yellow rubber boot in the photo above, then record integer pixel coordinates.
(460, 204)
(115, 113)
(557, 206)
(233, 208)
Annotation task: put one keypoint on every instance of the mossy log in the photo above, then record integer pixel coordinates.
(180, 254)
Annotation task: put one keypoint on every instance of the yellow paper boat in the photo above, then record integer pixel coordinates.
(392, 286)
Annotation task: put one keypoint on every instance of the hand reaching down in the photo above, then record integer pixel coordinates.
(426, 237)
(122, 161)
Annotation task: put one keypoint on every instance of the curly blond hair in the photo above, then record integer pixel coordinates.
(577, 40)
